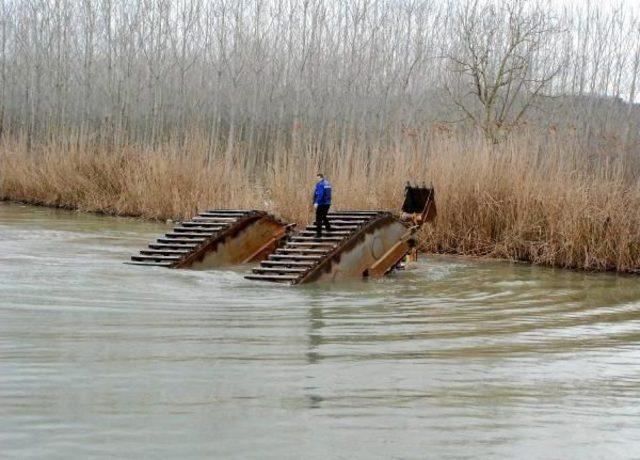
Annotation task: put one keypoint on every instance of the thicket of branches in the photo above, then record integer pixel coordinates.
(262, 74)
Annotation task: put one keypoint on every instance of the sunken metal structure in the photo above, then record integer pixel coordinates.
(360, 244)
(216, 238)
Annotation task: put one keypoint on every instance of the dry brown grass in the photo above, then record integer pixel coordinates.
(537, 200)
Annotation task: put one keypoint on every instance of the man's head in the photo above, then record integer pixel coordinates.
(320, 176)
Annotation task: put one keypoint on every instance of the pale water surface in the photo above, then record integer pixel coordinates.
(454, 359)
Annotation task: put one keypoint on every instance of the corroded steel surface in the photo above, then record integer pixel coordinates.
(241, 244)
(216, 238)
(390, 259)
(357, 240)
(360, 243)
(358, 253)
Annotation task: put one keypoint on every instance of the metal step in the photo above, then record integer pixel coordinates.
(219, 218)
(274, 263)
(211, 225)
(350, 216)
(149, 264)
(186, 235)
(311, 244)
(272, 277)
(181, 240)
(279, 270)
(323, 238)
(293, 257)
(287, 250)
(155, 257)
(207, 231)
(211, 220)
(226, 212)
(339, 227)
(312, 232)
(347, 222)
(172, 246)
(359, 213)
(165, 251)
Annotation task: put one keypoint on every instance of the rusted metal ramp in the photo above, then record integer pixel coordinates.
(216, 238)
(357, 241)
(360, 244)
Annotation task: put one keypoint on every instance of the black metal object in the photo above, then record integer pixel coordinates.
(416, 198)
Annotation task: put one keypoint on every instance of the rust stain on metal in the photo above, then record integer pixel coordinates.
(335, 256)
(389, 260)
(216, 238)
(361, 243)
(364, 243)
(212, 245)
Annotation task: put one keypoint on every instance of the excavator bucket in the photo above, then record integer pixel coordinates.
(216, 238)
(419, 204)
(360, 244)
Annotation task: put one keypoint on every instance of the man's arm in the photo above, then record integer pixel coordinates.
(317, 196)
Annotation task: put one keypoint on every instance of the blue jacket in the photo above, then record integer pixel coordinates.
(322, 195)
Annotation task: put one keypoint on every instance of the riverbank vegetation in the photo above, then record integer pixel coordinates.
(525, 199)
(523, 116)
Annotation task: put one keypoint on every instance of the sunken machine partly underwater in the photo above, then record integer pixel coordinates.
(360, 243)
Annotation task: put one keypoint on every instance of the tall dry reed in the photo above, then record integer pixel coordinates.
(530, 199)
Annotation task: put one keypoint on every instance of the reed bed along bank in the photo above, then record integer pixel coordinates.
(540, 200)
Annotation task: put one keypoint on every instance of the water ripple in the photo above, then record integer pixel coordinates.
(100, 359)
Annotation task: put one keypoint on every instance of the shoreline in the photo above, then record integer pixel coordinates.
(458, 256)
(42, 204)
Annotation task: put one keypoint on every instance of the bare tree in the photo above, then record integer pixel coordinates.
(496, 62)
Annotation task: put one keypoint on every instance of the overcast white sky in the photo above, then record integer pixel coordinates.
(609, 4)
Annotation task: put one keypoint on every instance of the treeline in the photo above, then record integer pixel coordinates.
(262, 75)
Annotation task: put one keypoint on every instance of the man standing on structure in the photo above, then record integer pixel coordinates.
(322, 203)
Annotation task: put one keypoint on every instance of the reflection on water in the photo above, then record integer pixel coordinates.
(454, 358)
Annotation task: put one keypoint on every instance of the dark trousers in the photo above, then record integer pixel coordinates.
(321, 218)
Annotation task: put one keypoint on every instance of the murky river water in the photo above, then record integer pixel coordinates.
(454, 359)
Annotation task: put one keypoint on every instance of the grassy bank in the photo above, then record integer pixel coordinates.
(531, 199)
